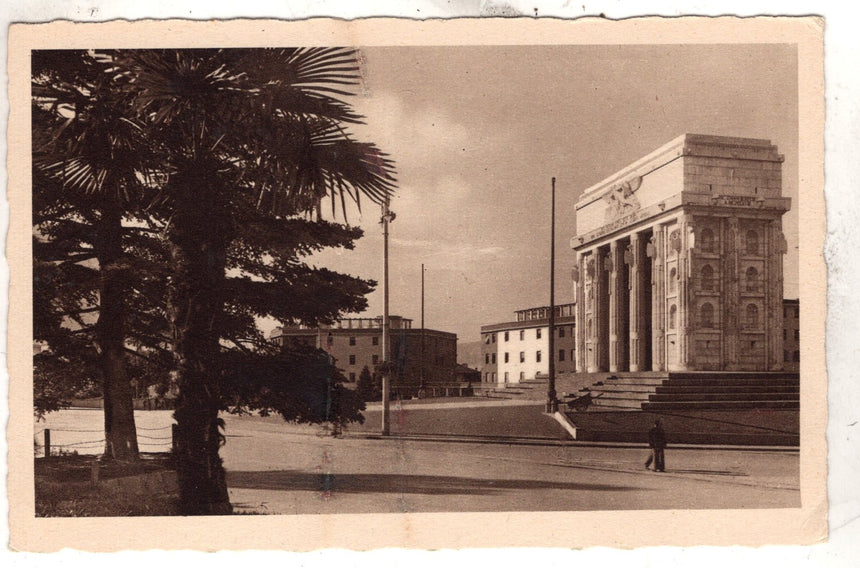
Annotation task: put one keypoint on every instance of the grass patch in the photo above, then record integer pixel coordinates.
(65, 487)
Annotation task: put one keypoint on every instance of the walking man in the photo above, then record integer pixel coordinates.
(657, 442)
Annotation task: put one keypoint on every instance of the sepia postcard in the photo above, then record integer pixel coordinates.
(467, 283)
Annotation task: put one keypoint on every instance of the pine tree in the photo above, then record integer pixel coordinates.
(230, 148)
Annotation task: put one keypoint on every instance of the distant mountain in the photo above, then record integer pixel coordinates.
(469, 353)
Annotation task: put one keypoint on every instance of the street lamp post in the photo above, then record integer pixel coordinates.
(387, 217)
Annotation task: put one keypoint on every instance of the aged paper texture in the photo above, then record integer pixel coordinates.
(632, 52)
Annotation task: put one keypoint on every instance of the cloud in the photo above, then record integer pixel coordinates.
(417, 139)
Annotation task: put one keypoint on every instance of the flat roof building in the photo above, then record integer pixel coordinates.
(517, 351)
(418, 355)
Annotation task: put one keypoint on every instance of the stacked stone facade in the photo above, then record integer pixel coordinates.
(679, 260)
(429, 355)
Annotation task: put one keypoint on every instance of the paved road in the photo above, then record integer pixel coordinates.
(277, 468)
(280, 468)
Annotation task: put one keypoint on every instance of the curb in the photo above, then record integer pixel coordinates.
(459, 439)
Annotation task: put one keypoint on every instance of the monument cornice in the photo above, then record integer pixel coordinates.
(728, 204)
(693, 145)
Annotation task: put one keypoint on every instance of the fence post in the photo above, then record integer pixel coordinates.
(47, 442)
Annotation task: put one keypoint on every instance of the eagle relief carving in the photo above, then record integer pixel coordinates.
(621, 199)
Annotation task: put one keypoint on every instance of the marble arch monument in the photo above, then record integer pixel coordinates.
(679, 260)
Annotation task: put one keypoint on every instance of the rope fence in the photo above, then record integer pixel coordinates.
(50, 448)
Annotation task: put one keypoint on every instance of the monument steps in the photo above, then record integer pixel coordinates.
(716, 396)
(690, 390)
(728, 389)
(620, 388)
(635, 380)
(722, 405)
(620, 403)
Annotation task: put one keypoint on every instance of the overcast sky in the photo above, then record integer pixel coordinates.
(478, 132)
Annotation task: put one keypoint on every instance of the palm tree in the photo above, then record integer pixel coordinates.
(235, 129)
(87, 156)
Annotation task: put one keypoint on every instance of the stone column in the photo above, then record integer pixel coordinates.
(658, 300)
(684, 304)
(592, 264)
(637, 307)
(614, 265)
(731, 297)
(580, 351)
(773, 287)
(600, 291)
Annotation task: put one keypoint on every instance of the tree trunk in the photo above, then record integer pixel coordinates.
(195, 302)
(120, 431)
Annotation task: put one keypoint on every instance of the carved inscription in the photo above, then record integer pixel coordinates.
(735, 200)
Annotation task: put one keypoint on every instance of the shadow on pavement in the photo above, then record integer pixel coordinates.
(709, 472)
(292, 480)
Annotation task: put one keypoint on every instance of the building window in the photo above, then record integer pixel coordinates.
(752, 316)
(537, 333)
(506, 336)
(487, 339)
(352, 340)
(352, 377)
(522, 376)
(797, 335)
(707, 240)
(796, 313)
(673, 312)
(522, 334)
(352, 359)
(752, 279)
(494, 358)
(796, 357)
(506, 356)
(561, 354)
(494, 338)
(493, 375)
(673, 280)
(522, 356)
(752, 243)
(506, 376)
(707, 278)
(486, 358)
(375, 359)
(537, 356)
(560, 332)
(707, 315)
(785, 336)
(375, 340)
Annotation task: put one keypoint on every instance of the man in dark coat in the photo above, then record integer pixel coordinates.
(657, 442)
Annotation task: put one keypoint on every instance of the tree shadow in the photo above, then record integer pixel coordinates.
(709, 472)
(356, 483)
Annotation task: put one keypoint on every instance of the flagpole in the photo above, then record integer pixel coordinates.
(423, 378)
(552, 403)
